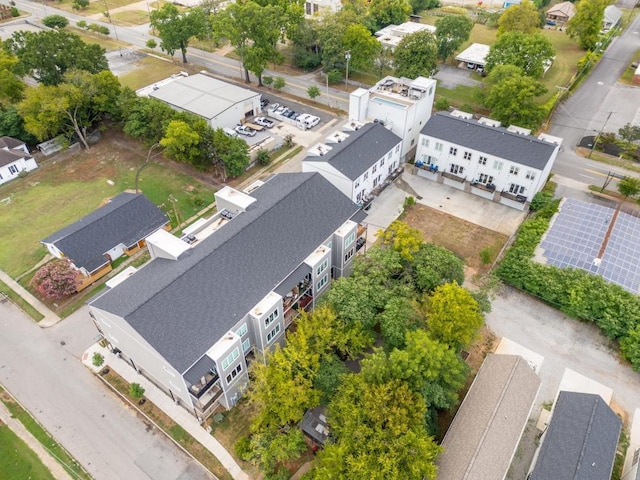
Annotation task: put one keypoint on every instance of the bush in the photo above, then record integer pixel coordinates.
(279, 83)
(268, 81)
(243, 449)
(151, 43)
(97, 359)
(541, 200)
(80, 4)
(136, 390)
(55, 21)
(15, 12)
(56, 279)
(313, 92)
(409, 201)
(263, 157)
(335, 76)
(94, 27)
(442, 104)
(485, 256)
(82, 24)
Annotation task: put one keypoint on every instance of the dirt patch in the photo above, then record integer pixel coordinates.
(465, 239)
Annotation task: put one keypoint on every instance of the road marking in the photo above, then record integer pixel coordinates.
(586, 176)
(595, 172)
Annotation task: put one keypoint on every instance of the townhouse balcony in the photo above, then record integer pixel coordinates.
(292, 311)
(482, 186)
(514, 197)
(209, 380)
(453, 176)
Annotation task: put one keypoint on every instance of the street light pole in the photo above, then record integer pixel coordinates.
(595, 141)
(326, 76)
(346, 78)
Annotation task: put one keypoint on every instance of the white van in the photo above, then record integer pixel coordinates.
(230, 132)
(307, 121)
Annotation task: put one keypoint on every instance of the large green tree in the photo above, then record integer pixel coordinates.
(12, 125)
(362, 45)
(75, 105)
(511, 97)
(586, 24)
(176, 28)
(48, 55)
(434, 266)
(181, 142)
(144, 118)
(380, 434)
(454, 317)
(522, 18)
(451, 32)
(530, 52)
(387, 12)
(11, 87)
(232, 153)
(416, 55)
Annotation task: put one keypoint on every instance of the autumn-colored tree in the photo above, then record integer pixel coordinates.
(402, 238)
(56, 279)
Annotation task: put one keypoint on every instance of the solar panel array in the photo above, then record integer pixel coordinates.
(576, 235)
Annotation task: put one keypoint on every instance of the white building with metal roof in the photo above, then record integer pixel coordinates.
(220, 103)
(474, 56)
(506, 165)
(391, 35)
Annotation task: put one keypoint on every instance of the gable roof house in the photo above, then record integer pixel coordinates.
(357, 161)
(611, 18)
(580, 441)
(484, 435)
(561, 13)
(117, 228)
(192, 317)
(506, 165)
(14, 158)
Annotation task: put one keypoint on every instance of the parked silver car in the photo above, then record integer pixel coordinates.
(264, 122)
(244, 130)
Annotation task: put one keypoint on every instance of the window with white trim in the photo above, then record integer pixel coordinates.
(357, 184)
(467, 155)
(350, 239)
(397, 148)
(482, 160)
(497, 165)
(323, 281)
(230, 358)
(246, 344)
(366, 176)
(273, 316)
(439, 146)
(456, 169)
(273, 333)
(530, 175)
(382, 160)
(388, 155)
(516, 189)
(453, 151)
(514, 170)
(425, 142)
(323, 266)
(242, 330)
(348, 255)
(485, 179)
(233, 374)
(374, 168)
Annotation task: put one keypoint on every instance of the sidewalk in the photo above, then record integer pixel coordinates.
(18, 428)
(162, 401)
(49, 319)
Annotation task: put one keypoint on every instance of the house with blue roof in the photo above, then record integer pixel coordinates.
(208, 303)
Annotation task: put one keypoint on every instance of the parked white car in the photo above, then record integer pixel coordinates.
(264, 122)
(244, 130)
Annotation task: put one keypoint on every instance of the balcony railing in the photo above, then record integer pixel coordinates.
(453, 176)
(487, 187)
(293, 312)
(513, 196)
(198, 389)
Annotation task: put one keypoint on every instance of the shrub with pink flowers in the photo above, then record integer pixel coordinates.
(56, 279)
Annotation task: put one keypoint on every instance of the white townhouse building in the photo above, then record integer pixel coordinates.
(506, 165)
(205, 305)
(356, 161)
(401, 104)
(314, 8)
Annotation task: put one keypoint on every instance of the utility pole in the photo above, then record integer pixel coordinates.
(595, 141)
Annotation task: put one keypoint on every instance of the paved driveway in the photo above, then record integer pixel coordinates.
(106, 438)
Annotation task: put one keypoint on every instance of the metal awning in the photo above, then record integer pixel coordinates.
(199, 369)
(297, 276)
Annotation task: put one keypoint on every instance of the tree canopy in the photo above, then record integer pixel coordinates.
(586, 24)
(11, 87)
(387, 12)
(55, 279)
(416, 55)
(523, 18)
(451, 32)
(529, 52)
(176, 28)
(48, 55)
(511, 97)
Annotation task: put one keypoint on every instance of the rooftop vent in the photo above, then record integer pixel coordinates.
(461, 114)
(519, 130)
(489, 122)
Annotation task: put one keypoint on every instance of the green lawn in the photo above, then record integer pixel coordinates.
(20, 302)
(627, 75)
(149, 70)
(103, 40)
(131, 17)
(58, 194)
(17, 460)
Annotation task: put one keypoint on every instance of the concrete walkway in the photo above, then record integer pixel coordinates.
(162, 401)
(45, 457)
(49, 319)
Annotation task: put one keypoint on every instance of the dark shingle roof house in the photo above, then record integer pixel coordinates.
(181, 308)
(486, 430)
(498, 141)
(360, 151)
(581, 440)
(125, 220)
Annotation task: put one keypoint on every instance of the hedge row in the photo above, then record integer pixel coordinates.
(575, 292)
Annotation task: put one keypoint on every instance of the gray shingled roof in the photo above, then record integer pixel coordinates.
(524, 149)
(360, 151)
(183, 307)
(581, 440)
(127, 218)
(486, 430)
(9, 151)
(10, 142)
